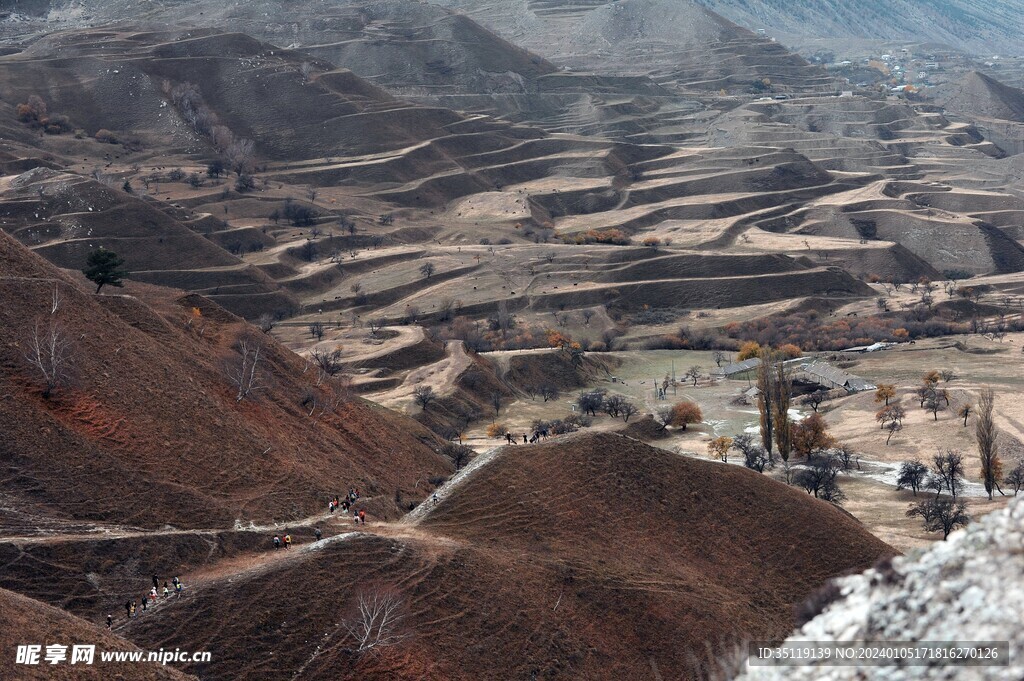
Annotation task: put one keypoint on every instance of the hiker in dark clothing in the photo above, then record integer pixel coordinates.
(156, 582)
(110, 621)
(144, 601)
(524, 438)
(128, 608)
(317, 534)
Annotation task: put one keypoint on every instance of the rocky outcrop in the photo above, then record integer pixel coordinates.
(965, 589)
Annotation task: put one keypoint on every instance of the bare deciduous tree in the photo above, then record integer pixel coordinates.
(1015, 478)
(893, 427)
(628, 409)
(940, 514)
(55, 299)
(815, 399)
(965, 411)
(423, 396)
(693, 373)
(755, 456)
(239, 155)
(266, 322)
(912, 474)
(949, 471)
(328, 363)
(590, 402)
(783, 387)
(988, 442)
(663, 416)
(765, 404)
(427, 269)
(245, 373)
(547, 391)
(50, 352)
(316, 330)
(327, 402)
(458, 453)
(819, 479)
(377, 622)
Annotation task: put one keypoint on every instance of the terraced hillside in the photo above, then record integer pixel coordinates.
(680, 45)
(977, 27)
(996, 109)
(773, 177)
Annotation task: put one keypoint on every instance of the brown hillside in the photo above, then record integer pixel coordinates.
(983, 96)
(588, 557)
(64, 216)
(29, 622)
(149, 431)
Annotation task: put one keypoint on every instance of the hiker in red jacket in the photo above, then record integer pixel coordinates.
(362, 517)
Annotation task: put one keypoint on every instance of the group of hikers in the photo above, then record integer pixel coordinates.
(344, 504)
(537, 435)
(132, 608)
(347, 503)
(358, 516)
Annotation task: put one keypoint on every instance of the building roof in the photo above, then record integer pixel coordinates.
(740, 367)
(834, 377)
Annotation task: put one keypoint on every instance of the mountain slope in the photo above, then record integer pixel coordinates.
(978, 95)
(592, 556)
(148, 430)
(677, 42)
(984, 28)
(29, 622)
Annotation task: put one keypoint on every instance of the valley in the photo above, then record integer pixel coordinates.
(563, 289)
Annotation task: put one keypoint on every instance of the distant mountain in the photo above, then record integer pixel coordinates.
(975, 26)
(677, 43)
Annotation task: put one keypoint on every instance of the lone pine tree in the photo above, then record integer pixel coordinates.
(104, 267)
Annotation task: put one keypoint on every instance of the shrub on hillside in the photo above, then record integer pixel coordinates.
(32, 111)
(497, 430)
(245, 183)
(105, 136)
(298, 215)
(611, 237)
(57, 124)
(810, 331)
(749, 350)
(34, 114)
(789, 351)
